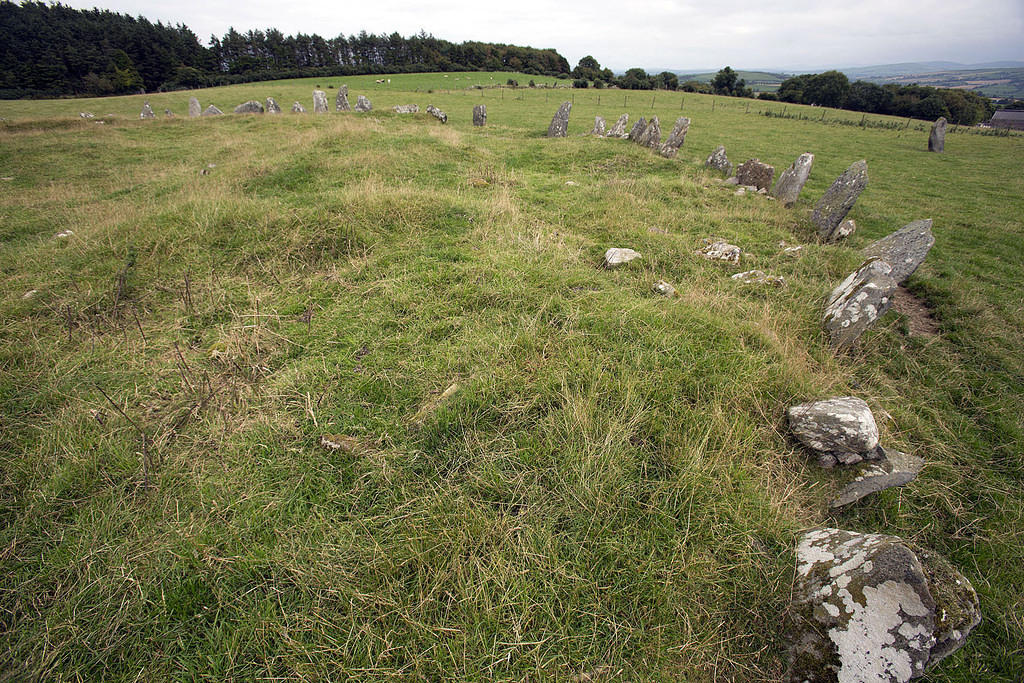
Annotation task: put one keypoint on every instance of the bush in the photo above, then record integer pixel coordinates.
(580, 83)
(532, 84)
(598, 85)
(513, 82)
(770, 96)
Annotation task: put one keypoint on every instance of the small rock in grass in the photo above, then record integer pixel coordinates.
(732, 181)
(345, 444)
(29, 294)
(64, 234)
(720, 251)
(894, 469)
(793, 251)
(212, 111)
(665, 289)
(844, 230)
(406, 108)
(478, 182)
(87, 115)
(297, 108)
(436, 113)
(740, 191)
(571, 183)
(616, 256)
(759, 277)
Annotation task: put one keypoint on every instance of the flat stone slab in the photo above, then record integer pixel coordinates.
(756, 173)
(616, 256)
(787, 187)
(838, 199)
(212, 111)
(894, 469)
(857, 302)
(841, 428)
(619, 129)
(720, 251)
(560, 121)
(758, 277)
(297, 108)
(406, 108)
(905, 249)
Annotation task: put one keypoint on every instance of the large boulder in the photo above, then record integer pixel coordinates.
(250, 107)
(838, 199)
(560, 121)
(719, 161)
(599, 125)
(319, 102)
(652, 134)
(755, 173)
(194, 108)
(272, 106)
(937, 137)
(894, 469)
(341, 99)
(838, 430)
(637, 131)
(437, 113)
(147, 112)
(479, 114)
(787, 187)
(905, 249)
(212, 111)
(857, 302)
(676, 137)
(874, 608)
(619, 129)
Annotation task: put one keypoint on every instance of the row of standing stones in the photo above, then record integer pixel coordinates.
(866, 607)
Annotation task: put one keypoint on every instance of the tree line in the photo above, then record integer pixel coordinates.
(54, 50)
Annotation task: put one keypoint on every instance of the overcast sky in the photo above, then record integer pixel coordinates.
(674, 34)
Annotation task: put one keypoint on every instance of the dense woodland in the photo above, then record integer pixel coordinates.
(54, 51)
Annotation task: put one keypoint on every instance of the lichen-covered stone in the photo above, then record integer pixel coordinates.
(676, 138)
(637, 131)
(857, 302)
(719, 161)
(652, 134)
(599, 125)
(147, 112)
(755, 173)
(250, 107)
(479, 114)
(905, 249)
(168, 113)
(617, 256)
(873, 608)
(406, 108)
(665, 289)
(319, 102)
(194, 108)
(787, 188)
(840, 429)
(341, 99)
(212, 111)
(937, 136)
(893, 469)
(838, 199)
(363, 104)
(272, 106)
(619, 129)
(437, 113)
(720, 251)
(759, 277)
(844, 230)
(297, 108)
(560, 121)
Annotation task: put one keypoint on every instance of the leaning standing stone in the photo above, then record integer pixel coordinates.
(272, 107)
(619, 129)
(250, 107)
(479, 114)
(837, 201)
(212, 111)
(319, 102)
(860, 300)
(719, 161)
(637, 131)
(756, 174)
(194, 108)
(937, 138)
(147, 112)
(598, 127)
(560, 121)
(870, 607)
(905, 249)
(437, 113)
(341, 101)
(652, 134)
(675, 138)
(363, 104)
(297, 108)
(787, 188)
(838, 430)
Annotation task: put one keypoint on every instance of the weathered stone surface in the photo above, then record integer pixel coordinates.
(719, 161)
(840, 429)
(675, 140)
(86, 115)
(297, 108)
(937, 137)
(194, 108)
(437, 113)
(147, 112)
(363, 104)
(838, 199)
(250, 107)
(637, 131)
(272, 106)
(894, 469)
(874, 608)
(665, 289)
(616, 257)
(480, 115)
(599, 125)
(560, 121)
(619, 129)
(168, 113)
(858, 301)
(652, 134)
(212, 111)
(406, 108)
(905, 249)
(341, 99)
(720, 251)
(844, 230)
(319, 102)
(758, 277)
(787, 187)
(755, 173)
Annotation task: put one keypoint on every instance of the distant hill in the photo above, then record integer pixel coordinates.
(759, 81)
(999, 82)
(917, 68)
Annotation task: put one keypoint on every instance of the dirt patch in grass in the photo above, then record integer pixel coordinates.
(919, 316)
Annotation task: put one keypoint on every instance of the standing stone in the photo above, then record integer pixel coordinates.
(616, 257)
(250, 107)
(341, 101)
(363, 104)
(480, 115)
(560, 121)
(871, 607)
(598, 126)
(637, 131)
(272, 106)
(937, 138)
(675, 138)
(860, 300)
(838, 430)
(756, 174)
(168, 113)
(319, 102)
(652, 134)
(194, 108)
(297, 108)
(905, 249)
(787, 188)
(838, 199)
(719, 161)
(212, 111)
(437, 113)
(147, 112)
(619, 129)
(406, 108)
(895, 469)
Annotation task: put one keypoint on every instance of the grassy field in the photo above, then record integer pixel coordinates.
(557, 474)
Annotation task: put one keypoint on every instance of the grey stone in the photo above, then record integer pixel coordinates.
(147, 112)
(272, 106)
(616, 257)
(720, 251)
(437, 113)
(905, 249)
(844, 230)
(479, 114)
(871, 607)
(406, 108)
(759, 277)
(619, 129)
(756, 173)
(560, 121)
(599, 125)
(212, 111)
(838, 199)
(842, 428)
(719, 161)
(676, 138)
(665, 289)
(787, 187)
(86, 115)
(857, 302)
(250, 107)
(194, 108)
(652, 134)
(297, 108)
(937, 137)
(637, 131)
(341, 99)
(319, 102)
(168, 113)
(731, 181)
(363, 104)
(894, 469)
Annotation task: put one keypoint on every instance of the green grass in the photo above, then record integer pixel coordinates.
(610, 488)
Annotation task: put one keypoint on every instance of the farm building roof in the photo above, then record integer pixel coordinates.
(1008, 118)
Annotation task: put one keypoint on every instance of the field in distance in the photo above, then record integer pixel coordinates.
(545, 470)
